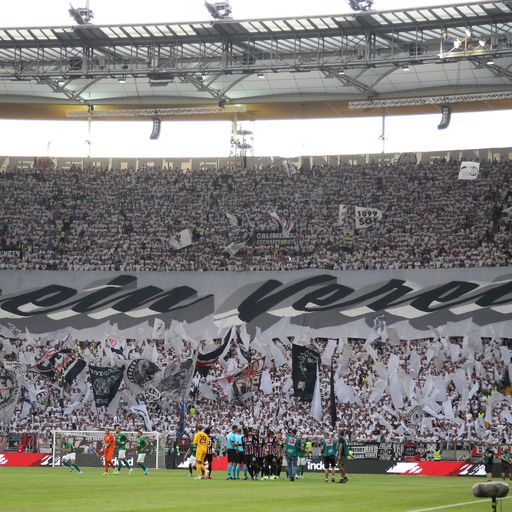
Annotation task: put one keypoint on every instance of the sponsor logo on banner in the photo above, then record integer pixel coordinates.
(365, 451)
(273, 238)
(48, 460)
(23, 459)
(442, 468)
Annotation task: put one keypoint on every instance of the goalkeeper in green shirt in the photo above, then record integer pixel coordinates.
(121, 440)
(69, 459)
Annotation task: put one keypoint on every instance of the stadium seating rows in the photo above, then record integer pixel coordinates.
(365, 405)
(122, 220)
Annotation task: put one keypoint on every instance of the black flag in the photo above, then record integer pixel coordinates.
(304, 364)
(242, 351)
(105, 383)
(332, 399)
(73, 370)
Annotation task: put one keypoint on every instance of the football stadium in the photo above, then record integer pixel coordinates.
(254, 255)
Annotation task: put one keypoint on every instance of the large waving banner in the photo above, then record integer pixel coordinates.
(305, 362)
(10, 387)
(331, 303)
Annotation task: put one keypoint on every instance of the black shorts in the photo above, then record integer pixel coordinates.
(505, 466)
(329, 462)
(270, 459)
(232, 455)
(239, 457)
(247, 459)
(488, 468)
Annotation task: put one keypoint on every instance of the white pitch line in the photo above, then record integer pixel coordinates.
(442, 507)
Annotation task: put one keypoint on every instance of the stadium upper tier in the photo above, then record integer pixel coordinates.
(125, 219)
(291, 67)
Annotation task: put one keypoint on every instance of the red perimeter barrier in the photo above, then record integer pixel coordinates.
(218, 463)
(24, 459)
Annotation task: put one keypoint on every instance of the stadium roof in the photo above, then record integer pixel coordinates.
(278, 68)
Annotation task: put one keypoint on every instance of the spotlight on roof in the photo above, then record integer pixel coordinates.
(468, 32)
(122, 79)
(157, 125)
(361, 5)
(219, 10)
(446, 114)
(406, 67)
(490, 61)
(482, 42)
(60, 83)
(81, 15)
(457, 43)
(341, 71)
(261, 75)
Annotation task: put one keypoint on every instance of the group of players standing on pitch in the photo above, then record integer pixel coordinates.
(260, 456)
(111, 441)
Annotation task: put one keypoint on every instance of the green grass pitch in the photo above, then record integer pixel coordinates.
(55, 490)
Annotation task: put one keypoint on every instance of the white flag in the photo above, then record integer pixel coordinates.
(469, 170)
(181, 240)
(158, 329)
(342, 213)
(234, 248)
(286, 226)
(366, 217)
(266, 383)
(316, 403)
(232, 219)
(275, 216)
(142, 411)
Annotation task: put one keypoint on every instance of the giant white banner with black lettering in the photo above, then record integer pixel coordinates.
(331, 303)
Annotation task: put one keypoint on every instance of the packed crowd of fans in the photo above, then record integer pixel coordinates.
(452, 390)
(99, 219)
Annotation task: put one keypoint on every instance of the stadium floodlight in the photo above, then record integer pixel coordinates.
(157, 125)
(82, 15)
(361, 5)
(219, 10)
(446, 115)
